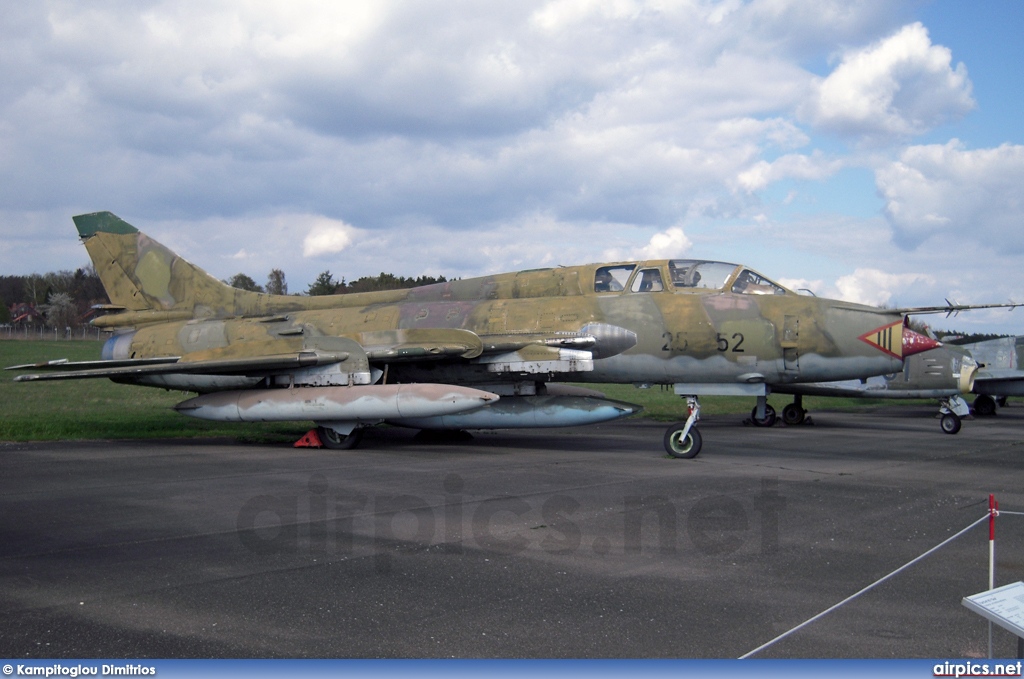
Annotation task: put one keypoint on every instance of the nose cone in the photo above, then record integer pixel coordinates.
(915, 342)
(898, 340)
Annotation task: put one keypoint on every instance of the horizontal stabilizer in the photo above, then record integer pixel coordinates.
(175, 366)
(65, 365)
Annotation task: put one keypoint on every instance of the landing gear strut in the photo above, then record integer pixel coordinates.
(682, 440)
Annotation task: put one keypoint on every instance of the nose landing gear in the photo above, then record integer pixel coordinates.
(952, 409)
(682, 440)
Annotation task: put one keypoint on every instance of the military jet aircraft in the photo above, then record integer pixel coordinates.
(990, 369)
(1001, 372)
(944, 373)
(486, 352)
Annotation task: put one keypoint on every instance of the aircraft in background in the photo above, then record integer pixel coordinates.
(944, 373)
(990, 369)
(478, 353)
(1001, 372)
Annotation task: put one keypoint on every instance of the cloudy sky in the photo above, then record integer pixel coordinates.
(867, 150)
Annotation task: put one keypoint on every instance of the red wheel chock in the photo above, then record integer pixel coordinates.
(310, 440)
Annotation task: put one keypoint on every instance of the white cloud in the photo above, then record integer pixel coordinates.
(327, 237)
(796, 166)
(558, 14)
(902, 85)
(938, 189)
(875, 287)
(665, 245)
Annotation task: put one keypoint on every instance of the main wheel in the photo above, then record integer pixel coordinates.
(769, 417)
(335, 441)
(950, 423)
(682, 447)
(793, 414)
(984, 406)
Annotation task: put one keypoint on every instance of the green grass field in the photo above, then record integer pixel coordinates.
(101, 409)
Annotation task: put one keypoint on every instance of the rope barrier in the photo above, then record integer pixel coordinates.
(850, 598)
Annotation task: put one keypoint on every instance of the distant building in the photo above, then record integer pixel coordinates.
(24, 315)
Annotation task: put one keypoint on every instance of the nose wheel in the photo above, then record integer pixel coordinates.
(682, 443)
(682, 440)
(950, 423)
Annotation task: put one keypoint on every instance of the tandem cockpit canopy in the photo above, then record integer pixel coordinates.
(684, 274)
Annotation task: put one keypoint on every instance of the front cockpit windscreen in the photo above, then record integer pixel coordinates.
(752, 283)
(690, 273)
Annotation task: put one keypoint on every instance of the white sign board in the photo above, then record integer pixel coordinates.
(1003, 605)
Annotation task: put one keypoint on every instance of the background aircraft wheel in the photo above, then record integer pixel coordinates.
(793, 414)
(950, 423)
(769, 417)
(684, 448)
(984, 406)
(1001, 400)
(335, 441)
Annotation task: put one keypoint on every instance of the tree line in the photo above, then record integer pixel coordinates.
(65, 298)
(59, 299)
(325, 284)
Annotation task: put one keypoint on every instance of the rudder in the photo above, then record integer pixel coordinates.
(140, 274)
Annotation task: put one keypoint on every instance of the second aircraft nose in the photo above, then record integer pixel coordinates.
(897, 340)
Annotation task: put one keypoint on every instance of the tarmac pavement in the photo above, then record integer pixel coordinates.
(577, 543)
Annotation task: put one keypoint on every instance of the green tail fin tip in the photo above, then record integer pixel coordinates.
(105, 222)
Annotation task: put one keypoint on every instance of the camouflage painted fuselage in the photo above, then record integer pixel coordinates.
(502, 328)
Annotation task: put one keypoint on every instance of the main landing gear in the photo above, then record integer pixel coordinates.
(682, 440)
(769, 419)
(792, 414)
(985, 405)
(335, 440)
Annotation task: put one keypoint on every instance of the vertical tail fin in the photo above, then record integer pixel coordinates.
(140, 274)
